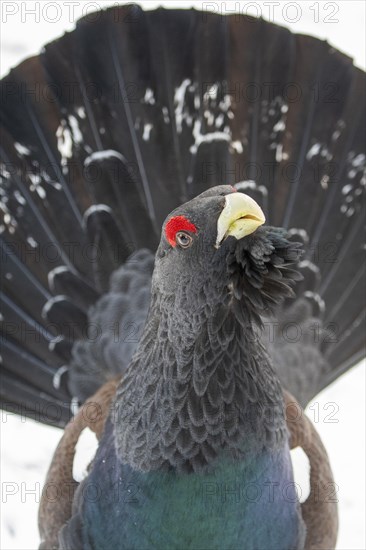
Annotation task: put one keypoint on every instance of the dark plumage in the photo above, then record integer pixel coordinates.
(202, 335)
(200, 402)
(188, 370)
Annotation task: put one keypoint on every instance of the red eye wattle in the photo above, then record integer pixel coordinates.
(178, 223)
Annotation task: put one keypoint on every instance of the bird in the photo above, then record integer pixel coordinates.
(181, 234)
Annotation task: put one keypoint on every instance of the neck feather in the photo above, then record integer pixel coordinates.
(197, 390)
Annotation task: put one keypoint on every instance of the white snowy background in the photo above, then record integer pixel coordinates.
(26, 446)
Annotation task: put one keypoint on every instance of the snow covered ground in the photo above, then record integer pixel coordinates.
(339, 412)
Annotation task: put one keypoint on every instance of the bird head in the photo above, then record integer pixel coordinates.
(215, 249)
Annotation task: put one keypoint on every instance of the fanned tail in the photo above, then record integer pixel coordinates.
(133, 113)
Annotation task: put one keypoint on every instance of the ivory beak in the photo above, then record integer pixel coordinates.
(241, 216)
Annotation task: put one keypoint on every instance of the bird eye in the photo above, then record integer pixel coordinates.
(183, 239)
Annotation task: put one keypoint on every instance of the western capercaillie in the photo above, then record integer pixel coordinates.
(134, 114)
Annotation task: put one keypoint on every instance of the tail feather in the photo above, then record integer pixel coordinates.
(109, 249)
(111, 181)
(28, 367)
(117, 123)
(22, 397)
(61, 347)
(20, 284)
(70, 320)
(65, 282)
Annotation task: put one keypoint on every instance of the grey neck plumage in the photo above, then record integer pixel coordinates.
(199, 386)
